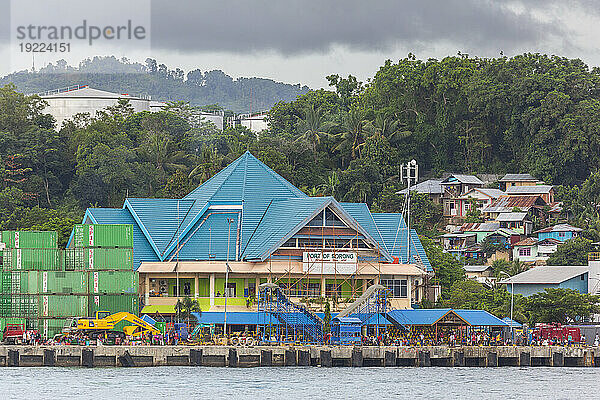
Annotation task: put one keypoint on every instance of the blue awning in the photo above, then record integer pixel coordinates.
(510, 322)
(428, 317)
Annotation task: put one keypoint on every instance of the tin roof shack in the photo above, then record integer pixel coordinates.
(455, 186)
(457, 243)
(536, 280)
(512, 180)
(481, 229)
(546, 192)
(482, 197)
(430, 187)
(517, 221)
(561, 232)
(532, 205)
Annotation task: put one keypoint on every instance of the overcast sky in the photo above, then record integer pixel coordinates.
(302, 41)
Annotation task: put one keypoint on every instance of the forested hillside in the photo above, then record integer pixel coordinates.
(156, 80)
(530, 113)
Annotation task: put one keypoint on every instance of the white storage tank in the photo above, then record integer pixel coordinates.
(64, 103)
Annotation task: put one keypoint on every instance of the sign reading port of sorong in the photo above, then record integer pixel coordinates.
(329, 263)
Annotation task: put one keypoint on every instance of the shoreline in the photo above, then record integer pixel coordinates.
(280, 356)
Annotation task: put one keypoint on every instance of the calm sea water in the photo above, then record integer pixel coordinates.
(299, 383)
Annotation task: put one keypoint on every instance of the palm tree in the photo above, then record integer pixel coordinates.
(190, 306)
(312, 128)
(354, 131)
(161, 152)
(330, 184)
(186, 308)
(384, 126)
(209, 163)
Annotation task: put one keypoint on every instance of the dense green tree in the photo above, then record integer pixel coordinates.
(562, 306)
(572, 252)
(448, 270)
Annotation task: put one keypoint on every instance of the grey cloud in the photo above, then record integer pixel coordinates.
(307, 26)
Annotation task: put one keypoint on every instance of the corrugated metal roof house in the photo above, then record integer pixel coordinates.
(246, 212)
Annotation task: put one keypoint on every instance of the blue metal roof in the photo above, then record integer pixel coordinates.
(208, 238)
(393, 231)
(282, 219)
(266, 210)
(159, 219)
(480, 318)
(510, 322)
(421, 316)
(424, 316)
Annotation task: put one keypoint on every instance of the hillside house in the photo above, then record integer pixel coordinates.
(482, 230)
(457, 243)
(532, 205)
(513, 180)
(546, 192)
(517, 221)
(455, 186)
(532, 250)
(536, 280)
(480, 273)
(483, 197)
(561, 232)
(430, 187)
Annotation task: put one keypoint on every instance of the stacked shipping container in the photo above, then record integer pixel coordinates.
(44, 285)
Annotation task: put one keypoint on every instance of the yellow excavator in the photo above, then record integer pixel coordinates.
(105, 323)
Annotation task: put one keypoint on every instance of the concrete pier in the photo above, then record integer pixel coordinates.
(324, 356)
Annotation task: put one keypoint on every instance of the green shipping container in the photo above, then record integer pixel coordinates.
(93, 235)
(5, 305)
(62, 282)
(114, 303)
(7, 321)
(5, 282)
(98, 259)
(32, 260)
(30, 239)
(24, 306)
(24, 282)
(113, 282)
(63, 306)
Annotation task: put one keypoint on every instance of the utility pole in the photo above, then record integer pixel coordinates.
(409, 173)
(229, 221)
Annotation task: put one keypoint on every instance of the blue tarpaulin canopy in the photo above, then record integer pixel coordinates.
(428, 317)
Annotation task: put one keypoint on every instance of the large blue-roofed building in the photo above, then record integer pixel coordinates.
(269, 231)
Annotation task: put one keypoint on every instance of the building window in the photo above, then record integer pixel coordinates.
(331, 219)
(525, 252)
(333, 288)
(310, 243)
(399, 287)
(314, 289)
(187, 289)
(561, 234)
(290, 244)
(231, 289)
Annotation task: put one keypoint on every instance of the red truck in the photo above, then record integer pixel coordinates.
(13, 333)
(556, 332)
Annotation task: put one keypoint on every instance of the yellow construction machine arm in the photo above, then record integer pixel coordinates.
(143, 325)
